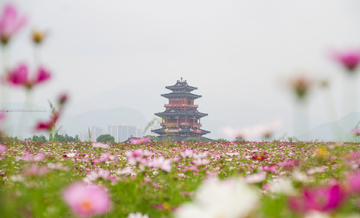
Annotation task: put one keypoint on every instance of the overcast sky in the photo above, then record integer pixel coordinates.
(244, 47)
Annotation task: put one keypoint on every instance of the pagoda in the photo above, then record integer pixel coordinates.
(181, 119)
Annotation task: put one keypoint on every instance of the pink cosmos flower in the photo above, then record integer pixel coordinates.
(161, 163)
(30, 157)
(272, 169)
(10, 23)
(100, 145)
(319, 199)
(2, 148)
(47, 125)
(19, 76)
(354, 182)
(255, 178)
(187, 153)
(139, 141)
(103, 158)
(199, 162)
(349, 59)
(86, 200)
(105, 174)
(2, 115)
(35, 170)
(42, 76)
(356, 132)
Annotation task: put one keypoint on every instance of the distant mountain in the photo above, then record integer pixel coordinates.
(102, 118)
(143, 96)
(334, 131)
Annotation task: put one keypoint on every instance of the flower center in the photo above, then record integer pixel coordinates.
(86, 205)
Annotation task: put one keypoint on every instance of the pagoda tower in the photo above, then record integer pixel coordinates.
(181, 119)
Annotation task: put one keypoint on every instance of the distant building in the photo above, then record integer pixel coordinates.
(95, 132)
(84, 136)
(121, 132)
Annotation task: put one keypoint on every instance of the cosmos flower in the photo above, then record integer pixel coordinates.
(86, 200)
(356, 132)
(229, 198)
(139, 141)
(349, 59)
(47, 125)
(19, 76)
(30, 157)
(301, 85)
(354, 182)
(137, 215)
(100, 145)
(10, 23)
(255, 178)
(323, 199)
(2, 148)
(161, 163)
(35, 170)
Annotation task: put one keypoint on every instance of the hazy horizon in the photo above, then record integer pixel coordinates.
(238, 53)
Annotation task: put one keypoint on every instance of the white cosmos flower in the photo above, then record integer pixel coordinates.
(282, 186)
(228, 198)
(137, 215)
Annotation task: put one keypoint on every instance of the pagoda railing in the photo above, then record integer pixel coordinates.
(181, 105)
(181, 124)
(191, 124)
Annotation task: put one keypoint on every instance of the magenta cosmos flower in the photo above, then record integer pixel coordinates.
(323, 199)
(86, 200)
(10, 23)
(139, 141)
(2, 148)
(349, 59)
(19, 76)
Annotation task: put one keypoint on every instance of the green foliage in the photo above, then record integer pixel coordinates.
(223, 140)
(105, 138)
(196, 139)
(40, 138)
(66, 138)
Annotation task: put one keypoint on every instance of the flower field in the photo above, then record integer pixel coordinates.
(170, 179)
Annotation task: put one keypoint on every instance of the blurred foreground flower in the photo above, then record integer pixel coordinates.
(323, 199)
(229, 198)
(356, 132)
(19, 76)
(47, 125)
(10, 23)
(86, 200)
(349, 59)
(137, 215)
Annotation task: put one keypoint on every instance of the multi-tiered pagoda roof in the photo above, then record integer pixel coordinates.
(181, 119)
